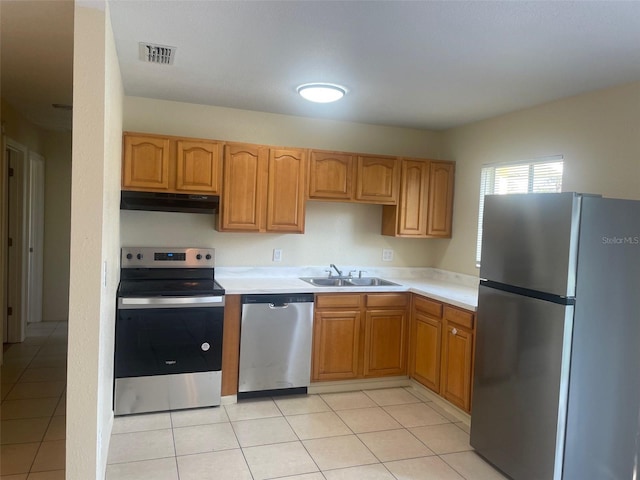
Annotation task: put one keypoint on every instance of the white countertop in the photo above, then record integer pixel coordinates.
(453, 288)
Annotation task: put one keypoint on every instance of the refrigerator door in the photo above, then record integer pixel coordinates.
(603, 424)
(530, 241)
(520, 384)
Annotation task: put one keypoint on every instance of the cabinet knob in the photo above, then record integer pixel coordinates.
(454, 331)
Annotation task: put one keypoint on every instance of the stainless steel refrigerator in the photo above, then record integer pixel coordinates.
(556, 390)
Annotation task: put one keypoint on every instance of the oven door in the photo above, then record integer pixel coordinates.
(164, 335)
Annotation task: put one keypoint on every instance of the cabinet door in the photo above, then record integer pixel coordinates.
(199, 167)
(377, 179)
(441, 181)
(457, 344)
(330, 175)
(385, 343)
(145, 163)
(412, 220)
(336, 345)
(286, 191)
(426, 340)
(245, 174)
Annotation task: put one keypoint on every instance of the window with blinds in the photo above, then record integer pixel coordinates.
(536, 176)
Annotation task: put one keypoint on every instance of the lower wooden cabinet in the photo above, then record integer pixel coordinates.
(442, 343)
(336, 342)
(359, 335)
(426, 334)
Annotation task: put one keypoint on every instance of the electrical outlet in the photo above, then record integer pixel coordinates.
(277, 254)
(387, 255)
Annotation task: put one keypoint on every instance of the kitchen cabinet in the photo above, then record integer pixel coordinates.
(264, 189)
(425, 206)
(330, 176)
(426, 334)
(441, 356)
(385, 331)
(359, 335)
(377, 179)
(156, 163)
(441, 182)
(457, 356)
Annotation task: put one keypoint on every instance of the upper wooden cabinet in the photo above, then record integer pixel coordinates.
(244, 194)
(171, 164)
(145, 162)
(425, 209)
(330, 176)
(263, 189)
(377, 179)
(441, 181)
(286, 192)
(198, 167)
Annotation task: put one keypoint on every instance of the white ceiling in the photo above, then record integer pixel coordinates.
(421, 64)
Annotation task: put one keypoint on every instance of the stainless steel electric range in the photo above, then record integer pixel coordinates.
(168, 345)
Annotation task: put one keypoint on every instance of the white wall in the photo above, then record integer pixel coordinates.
(97, 122)
(597, 133)
(334, 233)
(57, 225)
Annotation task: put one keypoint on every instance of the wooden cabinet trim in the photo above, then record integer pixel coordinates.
(341, 300)
(231, 344)
(377, 300)
(458, 316)
(428, 306)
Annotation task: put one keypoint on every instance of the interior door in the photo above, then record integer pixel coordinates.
(36, 237)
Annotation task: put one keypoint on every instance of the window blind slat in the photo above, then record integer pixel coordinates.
(537, 176)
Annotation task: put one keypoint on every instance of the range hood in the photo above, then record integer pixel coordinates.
(169, 202)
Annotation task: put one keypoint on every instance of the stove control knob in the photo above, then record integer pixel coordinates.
(205, 347)
(129, 256)
(198, 256)
(208, 257)
(139, 256)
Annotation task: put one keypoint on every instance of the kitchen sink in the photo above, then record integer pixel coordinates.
(370, 282)
(348, 282)
(325, 282)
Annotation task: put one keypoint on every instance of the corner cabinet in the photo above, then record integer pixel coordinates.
(155, 163)
(441, 354)
(264, 189)
(359, 336)
(425, 208)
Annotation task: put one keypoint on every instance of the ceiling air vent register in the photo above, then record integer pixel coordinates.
(160, 54)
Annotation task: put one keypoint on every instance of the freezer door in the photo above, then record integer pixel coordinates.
(520, 383)
(530, 241)
(603, 425)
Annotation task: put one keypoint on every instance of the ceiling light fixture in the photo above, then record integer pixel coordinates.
(321, 92)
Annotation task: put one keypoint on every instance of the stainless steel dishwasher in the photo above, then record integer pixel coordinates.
(275, 344)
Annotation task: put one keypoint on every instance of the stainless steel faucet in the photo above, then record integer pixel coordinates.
(336, 269)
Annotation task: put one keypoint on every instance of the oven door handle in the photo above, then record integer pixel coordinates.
(170, 302)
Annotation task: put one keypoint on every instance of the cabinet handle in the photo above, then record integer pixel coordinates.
(454, 331)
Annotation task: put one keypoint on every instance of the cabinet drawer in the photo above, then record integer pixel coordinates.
(338, 301)
(386, 300)
(428, 306)
(461, 317)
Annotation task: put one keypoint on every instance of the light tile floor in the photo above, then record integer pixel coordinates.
(33, 401)
(382, 434)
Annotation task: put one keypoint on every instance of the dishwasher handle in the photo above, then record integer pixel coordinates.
(278, 306)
